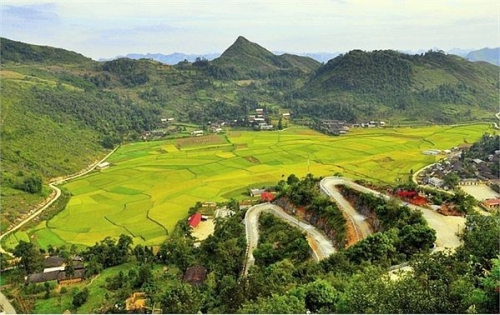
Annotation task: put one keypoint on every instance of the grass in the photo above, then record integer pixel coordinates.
(147, 191)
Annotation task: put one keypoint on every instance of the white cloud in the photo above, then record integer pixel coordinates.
(101, 28)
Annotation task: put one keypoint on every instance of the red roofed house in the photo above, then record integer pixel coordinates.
(266, 196)
(195, 219)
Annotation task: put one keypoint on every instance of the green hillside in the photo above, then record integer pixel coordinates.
(60, 111)
(24, 53)
(390, 85)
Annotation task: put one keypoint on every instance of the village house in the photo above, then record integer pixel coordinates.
(492, 204)
(255, 192)
(197, 133)
(56, 270)
(103, 165)
(194, 220)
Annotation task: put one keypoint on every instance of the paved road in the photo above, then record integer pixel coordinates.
(497, 115)
(57, 195)
(361, 226)
(446, 227)
(31, 217)
(5, 305)
(322, 247)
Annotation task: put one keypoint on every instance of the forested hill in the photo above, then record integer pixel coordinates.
(245, 59)
(25, 53)
(431, 86)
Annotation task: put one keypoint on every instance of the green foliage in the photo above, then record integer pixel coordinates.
(276, 304)
(480, 239)
(81, 297)
(108, 252)
(321, 297)
(31, 184)
(12, 51)
(278, 240)
(180, 298)
(31, 260)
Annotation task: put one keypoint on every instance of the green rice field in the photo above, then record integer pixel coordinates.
(151, 185)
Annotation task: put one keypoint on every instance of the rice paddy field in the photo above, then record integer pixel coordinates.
(151, 185)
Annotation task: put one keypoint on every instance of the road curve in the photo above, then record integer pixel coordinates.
(57, 195)
(322, 246)
(31, 217)
(446, 227)
(361, 227)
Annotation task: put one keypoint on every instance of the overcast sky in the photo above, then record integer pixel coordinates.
(103, 29)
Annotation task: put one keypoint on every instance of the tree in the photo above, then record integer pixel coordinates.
(280, 124)
(292, 179)
(451, 180)
(321, 297)
(180, 298)
(80, 298)
(416, 237)
(31, 259)
(275, 304)
(32, 184)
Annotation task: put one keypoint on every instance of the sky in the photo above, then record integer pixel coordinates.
(106, 29)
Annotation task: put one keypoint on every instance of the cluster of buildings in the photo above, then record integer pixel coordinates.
(332, 127)
(340, 127)
(258, 121)
(56, 268)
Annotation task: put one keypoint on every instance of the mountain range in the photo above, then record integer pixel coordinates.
(60, 110)
(491, 55)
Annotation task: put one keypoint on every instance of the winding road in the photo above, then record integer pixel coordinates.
(446, 227)
(321, 246)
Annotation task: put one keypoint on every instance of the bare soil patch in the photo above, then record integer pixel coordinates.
(203, 230)
(201, 140)
(252, 159)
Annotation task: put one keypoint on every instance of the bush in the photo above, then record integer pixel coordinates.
(80, 298)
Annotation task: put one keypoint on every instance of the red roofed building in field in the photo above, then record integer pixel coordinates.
(266, 196)
(194, 220)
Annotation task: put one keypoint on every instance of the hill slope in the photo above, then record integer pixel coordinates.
(245, 59)
(388, 84)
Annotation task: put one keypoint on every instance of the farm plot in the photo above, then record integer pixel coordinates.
(151, 185)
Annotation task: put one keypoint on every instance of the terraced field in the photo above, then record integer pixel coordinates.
(151, 185)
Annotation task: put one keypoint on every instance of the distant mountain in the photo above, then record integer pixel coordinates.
(245, 59)
(491, 55)
(171, 59)
(459, 52)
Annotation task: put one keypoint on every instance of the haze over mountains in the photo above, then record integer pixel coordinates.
(491, 55)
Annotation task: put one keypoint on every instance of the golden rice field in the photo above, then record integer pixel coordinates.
(151, 185)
